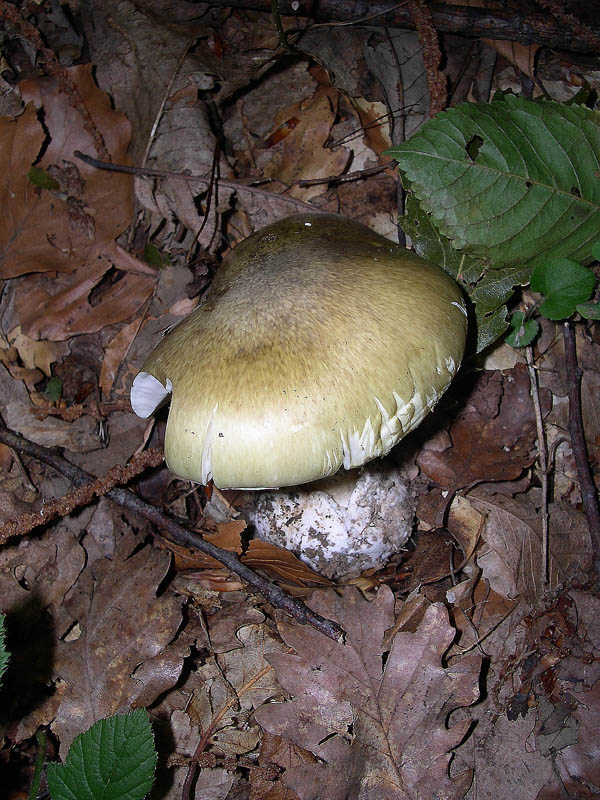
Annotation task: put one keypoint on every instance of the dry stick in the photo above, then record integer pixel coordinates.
(178, 534)
(469, 21)
(586, 481)
(542, 460)
(204, 739)
(160, 173)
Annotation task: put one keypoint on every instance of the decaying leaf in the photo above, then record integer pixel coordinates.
(512, 558)
(302, 154)
(493, 438)
(122, 656)
(375, 718)
(71, 229)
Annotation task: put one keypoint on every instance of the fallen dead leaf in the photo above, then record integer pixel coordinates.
(123, 655)
(493, 439)
(302, 153)
(374, 719)
(511, 561)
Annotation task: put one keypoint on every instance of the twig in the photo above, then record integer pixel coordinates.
(542, 460)
(178, 534)
(578, 445)
(469, 21)
(204, 739)
(61, 506)
(281, 34)
(160, 173)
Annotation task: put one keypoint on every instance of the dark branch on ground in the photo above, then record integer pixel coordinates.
(177, 533)
(589, 493)
(468, 21)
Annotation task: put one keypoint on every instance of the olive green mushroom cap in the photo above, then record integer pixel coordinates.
(321, 345)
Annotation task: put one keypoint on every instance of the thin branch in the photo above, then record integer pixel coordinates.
(469, 21)
(178, 534)
(160, 173)
(578, 445)
(542, 457)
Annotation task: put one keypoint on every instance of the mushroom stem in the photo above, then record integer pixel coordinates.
(276, 596)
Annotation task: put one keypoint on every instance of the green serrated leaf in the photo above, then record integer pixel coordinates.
(154, 257)
(596, 251)
(528, 190)
(589, 310)
(114, 760)
(497, 286)
(564, 283)
(429, 243)
(4, 655)
(491, 327)
(39, 177)
(522, 331)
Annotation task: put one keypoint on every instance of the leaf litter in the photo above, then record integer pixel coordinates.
(105, 619)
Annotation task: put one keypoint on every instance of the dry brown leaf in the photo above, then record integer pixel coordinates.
(35, 353)
(375, 719)
(511, 559)
(114, 354)
(303, 154)
(72, 229)
(123, 655)
(20, 143)
(520, 56)
(281, 564)
(58, 308)
(493, 438)
(41, 229)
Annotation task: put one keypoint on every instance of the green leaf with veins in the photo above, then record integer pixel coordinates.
(511, 181)
(115, 759)
(564, 283)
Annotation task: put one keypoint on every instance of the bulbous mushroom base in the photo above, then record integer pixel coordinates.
(343, 525)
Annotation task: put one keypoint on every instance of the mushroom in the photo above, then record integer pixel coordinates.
(320, 345)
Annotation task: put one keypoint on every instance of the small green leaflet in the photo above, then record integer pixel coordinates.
(53, 389)
(3, 651)
(39, 177)
(114, 760)
(154, 257)
(589, 310)
(522, 332)
(564, 283)
(511, 181)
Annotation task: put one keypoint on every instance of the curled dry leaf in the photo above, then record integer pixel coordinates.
(376, 717)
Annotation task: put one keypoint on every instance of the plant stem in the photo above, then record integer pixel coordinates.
(39, 765)
(542, 460)
(578, 445)
(177, 533)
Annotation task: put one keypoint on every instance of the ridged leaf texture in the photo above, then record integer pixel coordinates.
(115, 759)
(512, 182)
